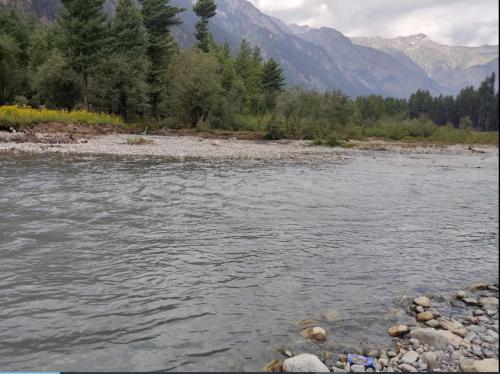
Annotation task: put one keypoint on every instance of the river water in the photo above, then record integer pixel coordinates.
(147, 264)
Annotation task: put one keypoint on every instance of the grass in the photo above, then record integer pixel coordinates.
(17, 115)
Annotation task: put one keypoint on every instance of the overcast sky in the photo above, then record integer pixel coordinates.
(456, 22)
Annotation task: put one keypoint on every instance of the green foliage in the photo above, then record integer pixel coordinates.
(159, 17)
(83, 26)
(194, 97)
(57, 84)
(204, 9)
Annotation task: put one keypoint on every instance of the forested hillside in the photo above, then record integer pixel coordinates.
(128, 63)
(324, 59)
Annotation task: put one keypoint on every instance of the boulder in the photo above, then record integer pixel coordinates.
(489, 303)
(315, 333)
(398, 330)
(422, 301)
(482, 366)
(305, 363)
(425, 316)
(437, 338)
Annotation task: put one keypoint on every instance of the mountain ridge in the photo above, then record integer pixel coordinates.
(323, 58)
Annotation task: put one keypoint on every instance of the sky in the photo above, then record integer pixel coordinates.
(453, 22)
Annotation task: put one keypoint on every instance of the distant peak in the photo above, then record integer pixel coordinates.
(420, 37)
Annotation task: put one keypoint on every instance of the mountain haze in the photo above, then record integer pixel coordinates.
(325, 59)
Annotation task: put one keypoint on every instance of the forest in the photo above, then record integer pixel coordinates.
(130, 65)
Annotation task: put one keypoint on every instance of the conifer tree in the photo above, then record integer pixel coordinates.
(273, 82)
(84, 30)
(123, 76)
(159, 17)
(204, 9)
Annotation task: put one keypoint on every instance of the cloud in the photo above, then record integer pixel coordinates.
(457, 22)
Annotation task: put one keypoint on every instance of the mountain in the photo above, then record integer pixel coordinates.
(324, 59)
(452, 67)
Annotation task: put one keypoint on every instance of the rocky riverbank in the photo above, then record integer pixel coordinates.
(434, 342)
(193, 147)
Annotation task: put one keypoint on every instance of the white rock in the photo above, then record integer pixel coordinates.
(423, 301)
(490, 303)
(437, 338)
(483, 366)
(410, 357)
(305, 363)
(357, 368)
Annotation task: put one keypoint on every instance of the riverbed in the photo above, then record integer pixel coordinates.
(145, 263)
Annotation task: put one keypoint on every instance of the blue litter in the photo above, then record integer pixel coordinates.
(368, 362)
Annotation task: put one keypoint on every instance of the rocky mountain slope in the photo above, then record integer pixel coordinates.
(324, 59)
(453, 67)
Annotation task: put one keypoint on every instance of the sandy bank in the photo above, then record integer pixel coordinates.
(190, 147)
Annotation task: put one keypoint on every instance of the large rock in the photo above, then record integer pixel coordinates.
(305, 363)
(398, 330)
(422, 301)
(437, 338)
(425, 316)
(489, 303)
(315, 333)
(482, 366)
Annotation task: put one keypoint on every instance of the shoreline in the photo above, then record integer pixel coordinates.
(434, 342)
(182, 147)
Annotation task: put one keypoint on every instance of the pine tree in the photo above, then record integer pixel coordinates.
(204, 9)
(84, 31)
(272, 76)
(123, 76)
(159, 17)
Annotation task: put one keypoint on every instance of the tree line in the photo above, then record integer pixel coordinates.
(130, 65)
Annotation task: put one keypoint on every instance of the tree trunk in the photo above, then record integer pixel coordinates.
(86, 91)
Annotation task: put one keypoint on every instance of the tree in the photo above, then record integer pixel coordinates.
(159, 17)
(204, 9)
(122, 78)
(273, 82)
(10, 71)
(57, 84)
(487, 107)
(195, 95)
(84, 31)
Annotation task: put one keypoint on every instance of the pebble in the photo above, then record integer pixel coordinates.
(410, 357)
(398, 330)
(425, 316)
(470, 301)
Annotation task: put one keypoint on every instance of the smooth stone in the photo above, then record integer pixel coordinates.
(391, 354)
(398, 330)
(490, 339)
(431, 358)
(410, 357)
(437, 338)
(489, 303)
(470, 336)
(479, 286)
(432, 323)
(315, 333)
(479, 312)
(304, 363)
(483, 366)
(451, 325)
(340, 365)
(383, 362)
(422, 301)
(358, 368)
(425, 316)
(420, 309)
(408, 368)
(492, 333)
(461, 295)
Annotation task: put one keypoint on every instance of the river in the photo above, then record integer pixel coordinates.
(147, 264)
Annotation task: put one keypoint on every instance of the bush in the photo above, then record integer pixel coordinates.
(14, 115)
(275, 132)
